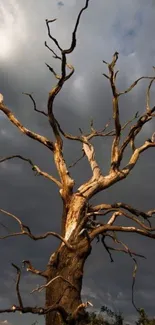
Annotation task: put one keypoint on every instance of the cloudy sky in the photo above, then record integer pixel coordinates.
(128, 27)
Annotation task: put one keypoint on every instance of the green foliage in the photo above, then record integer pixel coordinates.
(144, 319)
(101, 319)
(95, 319)
(116, 318)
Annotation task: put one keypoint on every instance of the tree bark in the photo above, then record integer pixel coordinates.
(68, 266)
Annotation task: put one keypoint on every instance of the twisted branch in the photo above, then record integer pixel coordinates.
(45, 141)
(25, 230)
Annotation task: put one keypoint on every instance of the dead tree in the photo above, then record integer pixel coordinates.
(79, 219)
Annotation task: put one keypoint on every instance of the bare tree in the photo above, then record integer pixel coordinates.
(79, 218)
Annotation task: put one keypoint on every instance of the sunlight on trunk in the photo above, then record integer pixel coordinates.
(70, 226)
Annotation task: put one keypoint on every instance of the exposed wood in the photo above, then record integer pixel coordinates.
(79, 225)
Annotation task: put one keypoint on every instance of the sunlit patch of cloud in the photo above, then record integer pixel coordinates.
(12, 28)
(79, 92)
(5, 322)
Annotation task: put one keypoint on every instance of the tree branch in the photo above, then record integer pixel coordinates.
(17, 285)
(111, 207)
(67, 182)
(43, 311)
(90, 153)
(133, 85)
(103, 229)
(115, 144)
(135, 156)
(30, 268)
(148, 108)
(75, 314)
(135, 129)
(34, 104)
(36, 310)
(25, 230)
(39, 289)
(46, 142)
(35, 168)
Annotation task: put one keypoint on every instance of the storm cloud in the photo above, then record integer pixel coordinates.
(128, 27)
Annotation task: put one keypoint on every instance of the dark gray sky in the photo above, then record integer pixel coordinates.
(128, 27)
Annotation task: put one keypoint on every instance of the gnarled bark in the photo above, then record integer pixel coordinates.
(67, 269)
(79, 225)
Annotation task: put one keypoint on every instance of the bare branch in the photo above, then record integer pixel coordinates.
(67, 182)
(123, 250)
(73, 43)
(107, 248)
(36, 310)
(131, 217)
(148, 108)
(133, 85)
(39, 289)
(116, 153)
(14, 217)
(44, 311)
(120, 250)
(49, 33)
(113, 218)
(30, 268)
(135, 129)
(103, 229)
(34, 103)
(26, 231)
(75, 314)
(55, 56)
(90, 153)
(118, 212)
(68, 135)
(115, 144)
(35, 168)
(53, 71)
(102, 133)
(105, 75)
(112, 207)
(73, 164)
(134, 270)
(135, 156)
(17, 285)
(46, 142)
(5, 227)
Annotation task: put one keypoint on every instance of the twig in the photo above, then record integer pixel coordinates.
(148, 108)
(17, 284)
(133, 85)
(34, 103)
(35, 168)
(73, 164)
(30, 268)
(26, 231)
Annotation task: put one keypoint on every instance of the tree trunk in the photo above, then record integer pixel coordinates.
(68, 266)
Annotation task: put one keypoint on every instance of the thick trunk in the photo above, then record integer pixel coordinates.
(68, 266)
